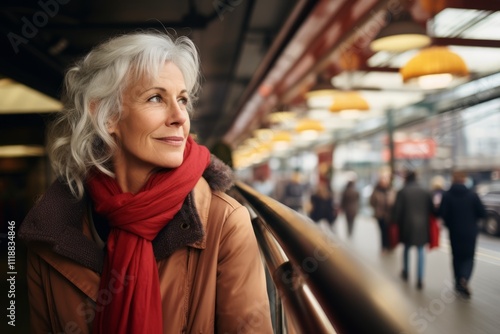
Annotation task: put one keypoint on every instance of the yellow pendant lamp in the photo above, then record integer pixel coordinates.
(400, 35)
(434, 67)
(307, 124)
(309, 129)
(348, 100)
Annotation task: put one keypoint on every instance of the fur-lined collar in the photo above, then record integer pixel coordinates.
(57, 220)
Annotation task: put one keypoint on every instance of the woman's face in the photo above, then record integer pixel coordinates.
(155, 124)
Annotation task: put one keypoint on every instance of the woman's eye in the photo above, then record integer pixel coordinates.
(183, 100)
(155, 98)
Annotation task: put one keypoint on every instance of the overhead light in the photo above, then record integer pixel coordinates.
(319, 99)
(435, 81)
(348, 100)
(321, 94)
(280, 117)
(17, 151)
(18, 98)
(282, 136)
(264, 134)
(401, 35)
(281, 141)
(434, 67)
(307, 124)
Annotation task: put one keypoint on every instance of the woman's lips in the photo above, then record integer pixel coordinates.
(173, 140)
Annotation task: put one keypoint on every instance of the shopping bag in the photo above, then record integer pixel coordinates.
(433, 232)
(393, 231)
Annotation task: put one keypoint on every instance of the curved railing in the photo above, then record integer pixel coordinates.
(320, 287)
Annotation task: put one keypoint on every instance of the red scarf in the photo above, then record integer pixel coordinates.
(129, 298)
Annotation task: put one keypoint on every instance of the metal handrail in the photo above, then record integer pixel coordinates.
(323, 288)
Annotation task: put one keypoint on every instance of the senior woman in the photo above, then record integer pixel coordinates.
(137, 235)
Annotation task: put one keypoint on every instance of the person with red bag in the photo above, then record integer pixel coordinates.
(137, 234)
(411, 213)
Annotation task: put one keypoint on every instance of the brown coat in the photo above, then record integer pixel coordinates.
(214, 284)
(382, 200)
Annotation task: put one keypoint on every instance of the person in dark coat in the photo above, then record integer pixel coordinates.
(350, 205)
(411, 212)
(322, 204)
(460, 210)
(293, 194)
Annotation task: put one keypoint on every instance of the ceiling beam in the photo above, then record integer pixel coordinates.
(491, 5)
(355, 26)
(485, 43)
(287, 33)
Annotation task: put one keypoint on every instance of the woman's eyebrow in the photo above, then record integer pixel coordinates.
(154, 88)
(162, 89)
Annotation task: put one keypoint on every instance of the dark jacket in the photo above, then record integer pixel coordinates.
(460, 210)
(411, 212)
(322, 208)
(293, 195)
(349, 202)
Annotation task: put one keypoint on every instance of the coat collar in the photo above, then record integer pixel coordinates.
(58, 229)
(61, 223)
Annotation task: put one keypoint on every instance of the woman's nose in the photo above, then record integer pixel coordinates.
(176, 114)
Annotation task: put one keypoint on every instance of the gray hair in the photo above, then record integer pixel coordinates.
(92, 98)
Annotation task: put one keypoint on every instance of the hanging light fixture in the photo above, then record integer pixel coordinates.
(280, 117)
(282, 136)
(319, 99)
(336, 100)
(434, 67)
(307, 124)
(402, 34)
(281, 140)
(348, 100)
(320, 96)
(309, 129)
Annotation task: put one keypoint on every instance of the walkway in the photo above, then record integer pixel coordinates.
(437, 309)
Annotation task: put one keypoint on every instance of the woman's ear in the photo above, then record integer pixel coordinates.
(111, 126)
(110, 123)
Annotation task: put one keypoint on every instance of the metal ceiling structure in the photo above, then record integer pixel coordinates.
(40, 39)
(256, 55)
(336, 28)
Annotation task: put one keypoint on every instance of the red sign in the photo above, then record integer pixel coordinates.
(412, 149)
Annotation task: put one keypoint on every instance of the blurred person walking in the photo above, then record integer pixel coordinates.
(460, 210)
(293, 192)
(411, 212)
(322, 204)
(349, 204)
(382, 200)
(437, 186)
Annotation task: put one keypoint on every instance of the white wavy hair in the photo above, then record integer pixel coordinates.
(92, 98)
